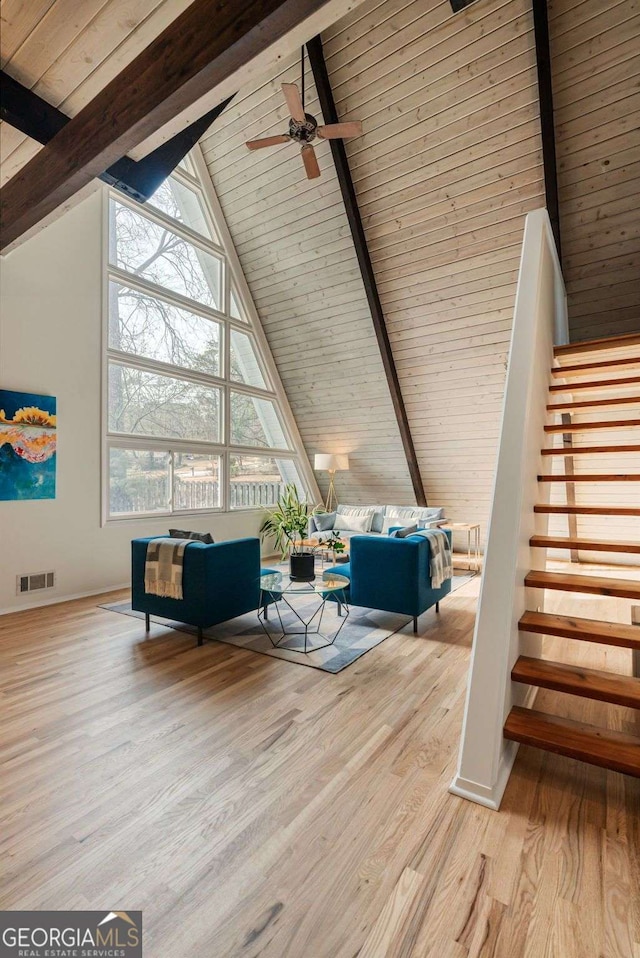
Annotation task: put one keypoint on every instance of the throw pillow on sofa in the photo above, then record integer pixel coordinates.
(389, 522)
(353, 523)
(405, 531)
(377, 513)
(205, 537)
(324, 521)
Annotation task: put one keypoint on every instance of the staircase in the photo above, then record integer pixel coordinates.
(595, 392)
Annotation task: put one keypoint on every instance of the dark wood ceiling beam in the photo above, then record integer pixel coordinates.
(330, 115)
(458, 5)
(26, 111)
(204, 46)
(547, 128)
(142, 178)
(29, 113)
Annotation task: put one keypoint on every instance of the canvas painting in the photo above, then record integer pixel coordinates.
(27, 446)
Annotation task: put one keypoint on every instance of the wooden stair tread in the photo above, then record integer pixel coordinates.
(589, 450)
(588, 545)
(588, 403)
(594, 384)
(603, 424)
(586, 630)
(589, 584)
(607, 342)
(619, 751)
(577, 680)
(591, 477)
(587, 510)
(603, 366)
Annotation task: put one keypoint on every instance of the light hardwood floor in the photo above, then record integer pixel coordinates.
(255, 808)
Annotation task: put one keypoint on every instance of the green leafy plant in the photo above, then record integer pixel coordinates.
(334, 543)
(287, 523)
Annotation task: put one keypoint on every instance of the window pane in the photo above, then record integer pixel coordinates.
(255, 422)
(138, 481)
(245, 366)
(155, 253)
(146, 326)
(186, 163)
(196, 481)
(183, 204)
(235, 309)
(152, 405)
(260, 481)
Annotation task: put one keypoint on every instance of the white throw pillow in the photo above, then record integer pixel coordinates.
(389, 522)
(376, 512)
(401, 512)
(353, 523)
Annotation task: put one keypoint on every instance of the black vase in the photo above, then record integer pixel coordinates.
(302, 567)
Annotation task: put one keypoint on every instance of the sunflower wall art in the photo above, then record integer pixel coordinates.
(27, 446)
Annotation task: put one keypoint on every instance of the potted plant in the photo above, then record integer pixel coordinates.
(287, 523)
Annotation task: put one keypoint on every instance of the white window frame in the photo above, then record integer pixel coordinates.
(274, 392)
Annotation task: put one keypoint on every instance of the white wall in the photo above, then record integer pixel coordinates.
(50, 343)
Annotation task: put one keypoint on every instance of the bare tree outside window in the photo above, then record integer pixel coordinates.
(148, 326)
(155, 253)
(171, 447)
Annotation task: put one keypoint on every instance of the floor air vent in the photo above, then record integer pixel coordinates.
(35, 582)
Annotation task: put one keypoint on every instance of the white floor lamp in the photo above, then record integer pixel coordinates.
(331, 463)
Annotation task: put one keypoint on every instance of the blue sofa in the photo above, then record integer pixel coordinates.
(219, 582)
(391, 574)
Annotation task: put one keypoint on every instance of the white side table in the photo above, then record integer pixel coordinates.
(473, 540)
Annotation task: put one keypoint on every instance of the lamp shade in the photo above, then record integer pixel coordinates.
(331, 462)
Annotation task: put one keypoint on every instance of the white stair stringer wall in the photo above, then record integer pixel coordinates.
(540, 320)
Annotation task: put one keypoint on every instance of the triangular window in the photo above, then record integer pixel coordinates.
(245, 367)
(235, 305)
(192, 426)
(185, 204)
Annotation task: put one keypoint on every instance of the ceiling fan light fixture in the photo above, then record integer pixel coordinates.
(303, 132)
(303, 128)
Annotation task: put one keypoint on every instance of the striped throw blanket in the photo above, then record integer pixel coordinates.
(163, 567)
(441, 566)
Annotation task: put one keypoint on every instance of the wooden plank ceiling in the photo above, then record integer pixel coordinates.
(66, 52)
(293, 240)
(448, 165)
(595, 50)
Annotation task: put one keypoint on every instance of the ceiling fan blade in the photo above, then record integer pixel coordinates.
(310, 161)
(267, 141)
(336, 130)
(294, 101)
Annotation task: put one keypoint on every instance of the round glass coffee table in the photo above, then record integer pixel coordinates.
(303, 622)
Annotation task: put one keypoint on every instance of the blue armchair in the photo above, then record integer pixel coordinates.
(219, 582)
(392, 574)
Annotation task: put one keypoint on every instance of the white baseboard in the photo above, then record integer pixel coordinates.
(489, 796)
(39, 603)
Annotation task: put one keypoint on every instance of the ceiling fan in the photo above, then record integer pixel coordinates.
(303, 128)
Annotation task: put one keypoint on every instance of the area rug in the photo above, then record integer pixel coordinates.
(363, 629)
